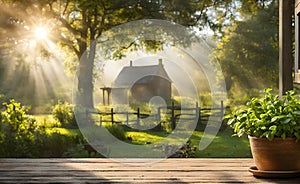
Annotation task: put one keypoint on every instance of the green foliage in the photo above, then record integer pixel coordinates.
(186, 151)
(17, 130)
(63, 112)
(3, 98)
(268, 117)
(76, 24)
(248, 52)
(47, 121)
(117, 131)
(166, 124)
(77, 151)
(20, 136)
(54, 145)
(144, 107)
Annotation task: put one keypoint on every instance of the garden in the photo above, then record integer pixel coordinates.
(57, 135)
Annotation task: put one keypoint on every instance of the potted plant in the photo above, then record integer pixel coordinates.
(273, 127)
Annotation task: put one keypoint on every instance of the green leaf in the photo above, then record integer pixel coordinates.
(273, 128)
(231, 121)
(296, 113)
(263, 128)
(241, 132)
(297, 128)
(262, 116)
(268, 90)
(286, 121)
(274, 119)
(297, 134)
(283, 135)
(270, 135)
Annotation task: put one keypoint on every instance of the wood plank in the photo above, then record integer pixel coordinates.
(128, 171)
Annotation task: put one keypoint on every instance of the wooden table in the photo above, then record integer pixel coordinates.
(130, 171)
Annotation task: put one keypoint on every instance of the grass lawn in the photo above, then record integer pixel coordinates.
(46, 120)
(53, 125)
(224, 145)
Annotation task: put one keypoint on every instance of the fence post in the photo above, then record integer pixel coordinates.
(86, 114)
(138, 118)
(158, 115)
(100, 120)
(197, 112)
(222, 110)
(112, 115)
(173, 119)
(127, 118)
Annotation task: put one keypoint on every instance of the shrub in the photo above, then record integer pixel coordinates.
(63, 112)
(17, 129)
(117, 131)
(54, 145)
(20, 136)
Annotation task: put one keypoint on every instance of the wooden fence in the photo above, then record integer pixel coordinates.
(175, 113)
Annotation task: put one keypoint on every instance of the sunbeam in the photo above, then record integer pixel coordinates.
(33, 63)
(41, 33)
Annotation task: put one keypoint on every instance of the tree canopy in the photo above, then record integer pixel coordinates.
(76, 24)
(248, 54)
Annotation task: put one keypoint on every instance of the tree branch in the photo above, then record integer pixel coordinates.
(70, 44)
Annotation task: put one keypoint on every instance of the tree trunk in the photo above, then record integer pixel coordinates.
(85, 84)
(86, 65)
(85, 78)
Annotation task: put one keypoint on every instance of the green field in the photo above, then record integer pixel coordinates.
(224, 145)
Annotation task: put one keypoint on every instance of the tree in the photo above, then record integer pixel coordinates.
(248, 54)
(78, 23)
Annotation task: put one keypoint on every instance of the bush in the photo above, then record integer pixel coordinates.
(17, 130)
(20, 136)
(63, 112)
(117, 131)
(54, 145)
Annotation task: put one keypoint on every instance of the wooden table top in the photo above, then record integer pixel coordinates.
(131, 171)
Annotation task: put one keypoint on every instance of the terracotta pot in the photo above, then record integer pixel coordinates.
(276, 155)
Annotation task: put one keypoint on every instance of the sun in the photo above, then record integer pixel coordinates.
(41, 33)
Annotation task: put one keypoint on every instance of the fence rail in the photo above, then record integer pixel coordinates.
(175, 112)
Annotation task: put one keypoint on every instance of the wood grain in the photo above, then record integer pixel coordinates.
(130, 171)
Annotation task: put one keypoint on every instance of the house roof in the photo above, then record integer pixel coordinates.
(131, 74)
